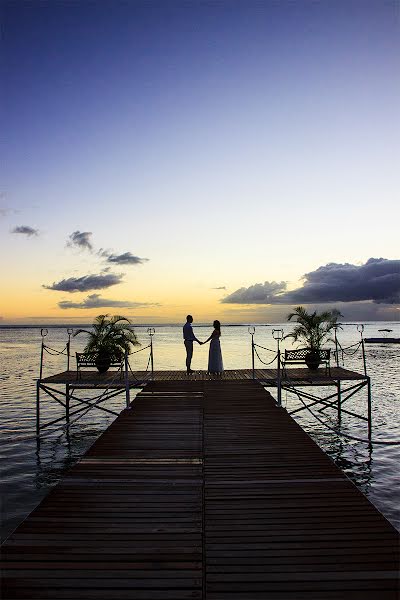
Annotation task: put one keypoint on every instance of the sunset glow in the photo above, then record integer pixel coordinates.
(161, 156)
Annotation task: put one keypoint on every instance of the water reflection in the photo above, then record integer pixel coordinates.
(355, 461)
(57, 453)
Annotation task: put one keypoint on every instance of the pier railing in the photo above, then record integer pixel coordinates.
(111, 386)
(335, 400)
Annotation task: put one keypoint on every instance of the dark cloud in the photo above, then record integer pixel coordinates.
(378, 280)
(221, 287)
(85, 283)
(260, 293)
(96, 301)
(81, 240)
(25, 230)
(127, 258)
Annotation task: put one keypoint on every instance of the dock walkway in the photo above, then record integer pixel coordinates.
(269, 377)
(207, 490)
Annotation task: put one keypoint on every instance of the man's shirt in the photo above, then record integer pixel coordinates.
(188, 334)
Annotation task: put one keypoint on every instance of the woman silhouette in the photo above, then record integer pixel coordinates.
(215, 364)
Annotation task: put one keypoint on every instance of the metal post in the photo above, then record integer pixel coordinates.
(67, 403)
(336, 346)
(127, 391)
(151, 331)
(37, 407)
(360, 328)
(69, 331)
(252, 331)
(369, 409)
(363, 354)
(277, 334)
(43, 333)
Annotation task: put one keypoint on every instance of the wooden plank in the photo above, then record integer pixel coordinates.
(204, 489)
(89, 379)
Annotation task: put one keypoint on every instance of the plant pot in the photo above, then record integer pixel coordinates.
(312, 360)
(103, 362)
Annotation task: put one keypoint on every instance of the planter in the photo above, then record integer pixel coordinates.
(103, 362)
(312, 360)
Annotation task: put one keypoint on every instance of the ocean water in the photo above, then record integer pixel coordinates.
(29, 472)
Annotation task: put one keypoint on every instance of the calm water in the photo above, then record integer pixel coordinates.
(28, 474)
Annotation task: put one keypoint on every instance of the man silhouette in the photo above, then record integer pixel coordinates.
(189, 338)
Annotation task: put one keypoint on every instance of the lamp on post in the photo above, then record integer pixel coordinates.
(43, 333)
(151, 331)
(360, 329)
(252, 331)
(277, 334)
(70, 331)
(335, 328)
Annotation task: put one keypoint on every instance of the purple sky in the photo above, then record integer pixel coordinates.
(190, 120)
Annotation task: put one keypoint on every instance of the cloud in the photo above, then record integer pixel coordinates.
(25, 230)
(81, 240)
(96, 301)
(127, 258)
(85, 283)
(259, 293)
(378, 280)
(221, 287)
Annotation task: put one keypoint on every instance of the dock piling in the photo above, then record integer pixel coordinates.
(67, 398)
(37, 407)
(277, 334)
(369, 408)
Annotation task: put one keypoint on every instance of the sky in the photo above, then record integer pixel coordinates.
(228, 159)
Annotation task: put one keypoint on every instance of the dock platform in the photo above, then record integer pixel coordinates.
(203, 489)
(269, 377)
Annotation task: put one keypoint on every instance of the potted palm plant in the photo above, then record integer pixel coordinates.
(313, 330)
(108, 340)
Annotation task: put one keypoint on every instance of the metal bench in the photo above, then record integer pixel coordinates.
(88, 361)
(297, 357)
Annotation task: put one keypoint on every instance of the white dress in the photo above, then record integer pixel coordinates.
(215, 364)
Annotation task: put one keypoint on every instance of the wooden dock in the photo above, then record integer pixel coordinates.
(207, 490)
(269, 377)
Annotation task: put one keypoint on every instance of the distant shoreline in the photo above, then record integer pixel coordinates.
(159, 325)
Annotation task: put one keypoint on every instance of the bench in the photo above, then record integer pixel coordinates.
(297, 357)
(88, 361)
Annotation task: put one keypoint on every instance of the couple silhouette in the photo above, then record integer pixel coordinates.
(215, 364)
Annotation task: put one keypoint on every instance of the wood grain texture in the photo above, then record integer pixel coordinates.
(203, 489)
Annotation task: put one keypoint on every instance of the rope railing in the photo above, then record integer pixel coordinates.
(346, 351)
(141, 349)
(263, 348)
(149, 360)
(81, 405)
(54, 351)
(260, 359)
